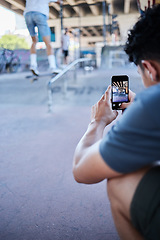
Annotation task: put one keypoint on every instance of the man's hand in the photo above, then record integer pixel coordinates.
(102, 112)
(88, 165)
(131, 99)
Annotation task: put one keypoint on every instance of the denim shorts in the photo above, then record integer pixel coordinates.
(39, 20)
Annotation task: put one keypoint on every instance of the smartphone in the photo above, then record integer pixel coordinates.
(119, 91)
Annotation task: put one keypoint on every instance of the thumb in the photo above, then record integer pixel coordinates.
(115, 113)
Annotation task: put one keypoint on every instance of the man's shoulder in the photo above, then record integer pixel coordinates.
(147, 104)
(150, 95)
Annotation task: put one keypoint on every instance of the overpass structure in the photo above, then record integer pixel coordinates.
(94, 18)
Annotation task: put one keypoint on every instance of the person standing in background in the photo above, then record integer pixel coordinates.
(36, 14)
(65, 45)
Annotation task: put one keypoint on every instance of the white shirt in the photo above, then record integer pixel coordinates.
(65, 41)
(38, 6)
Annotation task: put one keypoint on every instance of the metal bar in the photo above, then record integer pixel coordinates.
(84, 4)
(68, 68)
(61, 14)
(54, 79)
(104, 21)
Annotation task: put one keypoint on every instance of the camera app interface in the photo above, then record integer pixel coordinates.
(120, 91)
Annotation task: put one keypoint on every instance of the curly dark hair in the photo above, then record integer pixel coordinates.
(144, 39)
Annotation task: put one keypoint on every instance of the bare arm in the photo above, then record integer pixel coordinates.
(88, 165)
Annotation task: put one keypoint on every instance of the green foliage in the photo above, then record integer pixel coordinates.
(13, 42)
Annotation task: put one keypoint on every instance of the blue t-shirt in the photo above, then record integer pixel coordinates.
(134, 141)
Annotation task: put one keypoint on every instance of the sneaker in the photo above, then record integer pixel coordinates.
(34, 70)
(55, 70)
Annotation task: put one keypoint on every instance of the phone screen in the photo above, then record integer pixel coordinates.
(120, 90)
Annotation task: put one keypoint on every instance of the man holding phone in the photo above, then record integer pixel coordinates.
(128, 155)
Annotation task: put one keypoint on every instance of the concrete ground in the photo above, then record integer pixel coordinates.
(39, 199)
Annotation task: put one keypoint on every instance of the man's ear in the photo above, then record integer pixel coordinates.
(151, 69)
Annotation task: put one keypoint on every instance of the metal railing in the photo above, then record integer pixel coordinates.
(58, 76)
(117, 57)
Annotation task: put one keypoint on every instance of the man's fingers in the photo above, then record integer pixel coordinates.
(124, 105)
(107, 93)
(103, 97)
(115, 113)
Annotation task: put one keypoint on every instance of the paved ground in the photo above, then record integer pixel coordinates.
(39, 199)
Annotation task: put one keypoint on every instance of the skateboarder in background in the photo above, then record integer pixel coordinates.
(36, 14)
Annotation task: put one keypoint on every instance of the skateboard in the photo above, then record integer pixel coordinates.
(34, 77)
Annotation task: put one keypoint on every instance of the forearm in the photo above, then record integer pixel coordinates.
(88, 164)
(93, 134)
